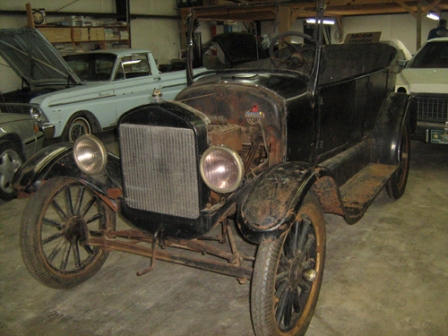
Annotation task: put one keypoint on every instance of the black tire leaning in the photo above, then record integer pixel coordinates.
(396, 185)
(269, 277)
(51, 239)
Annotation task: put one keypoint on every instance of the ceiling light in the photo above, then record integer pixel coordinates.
(432, 16)
(327, 21)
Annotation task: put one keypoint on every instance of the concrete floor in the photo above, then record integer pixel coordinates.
(385, 275)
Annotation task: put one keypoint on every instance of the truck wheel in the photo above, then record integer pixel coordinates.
(10, 162)
(52, 233)
(397, 183)
(78, 126)
(288, 275)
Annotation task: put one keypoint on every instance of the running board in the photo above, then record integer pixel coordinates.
(358, 192)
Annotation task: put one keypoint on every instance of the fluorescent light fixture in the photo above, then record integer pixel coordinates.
(327, 21)
(432, 16)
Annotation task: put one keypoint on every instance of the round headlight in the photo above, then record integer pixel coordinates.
(36, 114)
(90, 154)
(221, 169)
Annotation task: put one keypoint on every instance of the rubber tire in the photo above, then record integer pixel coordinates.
(7, 192)
(78, 126)
(396, 185)
(263, 307)
(32, 229)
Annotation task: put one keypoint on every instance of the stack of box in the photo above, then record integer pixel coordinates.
(111, 34)
(124, 35)
(80, 34)
(56, 35)
(96, 34)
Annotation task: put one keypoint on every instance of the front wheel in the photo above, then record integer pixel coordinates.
(397, 183)
(54, 229)
(288, 275)
(77, 127)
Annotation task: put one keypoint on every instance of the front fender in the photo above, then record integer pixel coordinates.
(271, 204)
(57, 160)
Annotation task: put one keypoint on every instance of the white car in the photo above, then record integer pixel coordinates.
(90, 97)
(426, 78)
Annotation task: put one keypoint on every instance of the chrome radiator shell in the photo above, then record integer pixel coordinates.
(159, 166)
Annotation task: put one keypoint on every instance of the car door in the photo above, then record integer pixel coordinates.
(134, 82)
(336, 107)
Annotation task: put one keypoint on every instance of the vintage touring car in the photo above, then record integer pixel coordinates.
(269, 146)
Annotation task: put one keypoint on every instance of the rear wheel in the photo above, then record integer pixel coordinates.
(54, 230)
(288, 275)
(10, 162)
(397, 183)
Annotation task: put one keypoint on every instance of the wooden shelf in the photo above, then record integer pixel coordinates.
(85, 38)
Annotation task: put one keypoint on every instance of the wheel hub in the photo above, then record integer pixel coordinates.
(298, 273)
(9, 163)
(75, 229)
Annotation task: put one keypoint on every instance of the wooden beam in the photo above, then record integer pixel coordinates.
(29, 15)
(419, 25)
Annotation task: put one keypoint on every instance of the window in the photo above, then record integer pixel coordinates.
(433, 55)
(135, 65)
(92, 67)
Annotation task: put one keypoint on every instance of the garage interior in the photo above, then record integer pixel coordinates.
(385, 275)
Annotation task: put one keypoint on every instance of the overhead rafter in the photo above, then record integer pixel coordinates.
(285, 12)
(267, 10)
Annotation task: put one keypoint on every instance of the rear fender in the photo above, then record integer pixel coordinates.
(57, 160)
(395, 113)
(269, 207)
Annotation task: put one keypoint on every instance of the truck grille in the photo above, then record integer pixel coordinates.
(432, 109)
(159, 169)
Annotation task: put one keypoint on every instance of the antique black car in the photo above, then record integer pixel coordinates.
(270, 147)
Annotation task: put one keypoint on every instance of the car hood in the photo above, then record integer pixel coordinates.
(11, 117)
(33, 58)
(423, 80)
(88, 92)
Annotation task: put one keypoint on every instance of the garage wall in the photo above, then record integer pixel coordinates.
(401, 27)
(159, 35)
(162, 36)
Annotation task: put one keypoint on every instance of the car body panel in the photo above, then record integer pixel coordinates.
(425, 78)
(22, 127)
(33, 58)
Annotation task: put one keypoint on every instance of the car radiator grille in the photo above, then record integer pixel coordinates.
(432, 108)
(159, 169)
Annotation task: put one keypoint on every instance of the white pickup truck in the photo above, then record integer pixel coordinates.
(86, 92)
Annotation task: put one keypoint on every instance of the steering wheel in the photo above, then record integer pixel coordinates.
(296, 59)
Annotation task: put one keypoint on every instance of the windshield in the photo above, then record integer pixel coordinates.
(432, 55)
(92, 67)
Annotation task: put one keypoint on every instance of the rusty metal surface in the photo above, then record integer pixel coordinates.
(206, 256)
(359, 192)
(274, 196)
(327, 192)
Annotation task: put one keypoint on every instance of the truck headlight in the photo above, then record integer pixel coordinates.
(221, 169)
(90, 154)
